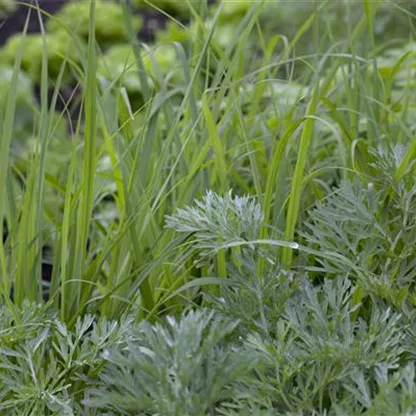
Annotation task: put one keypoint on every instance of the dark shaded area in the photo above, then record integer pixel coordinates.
(46, 268)
(68, 103)
(16, 21)
(152, 21)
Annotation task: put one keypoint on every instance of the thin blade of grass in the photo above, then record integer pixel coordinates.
(296, 189)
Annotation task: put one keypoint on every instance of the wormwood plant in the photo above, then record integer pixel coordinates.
(183, 368)
(298, 345)
(372, 228)
(172, 295)
(228, 230)
(45, 367)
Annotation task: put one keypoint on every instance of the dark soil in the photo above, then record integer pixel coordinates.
(16, 21)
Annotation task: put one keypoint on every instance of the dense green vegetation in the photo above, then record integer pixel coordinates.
(230, 217)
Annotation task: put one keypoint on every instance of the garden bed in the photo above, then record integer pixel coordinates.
(222, 222)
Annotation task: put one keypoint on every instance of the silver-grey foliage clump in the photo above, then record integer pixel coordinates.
(183, 368)
(217, 222)
(227, 218)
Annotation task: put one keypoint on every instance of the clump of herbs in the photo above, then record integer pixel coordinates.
(169, 294)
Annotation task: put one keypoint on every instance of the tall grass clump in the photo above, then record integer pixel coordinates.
(218, 222)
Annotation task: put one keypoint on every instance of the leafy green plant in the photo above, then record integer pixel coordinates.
(7, 7)
(118, 65)
(62, 47)
(109, 23)
(173, 7)
(234, 10)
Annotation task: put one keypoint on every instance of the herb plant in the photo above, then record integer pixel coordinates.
(219, 222)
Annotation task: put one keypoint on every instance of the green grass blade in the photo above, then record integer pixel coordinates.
(6, 138)
(296, 189)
